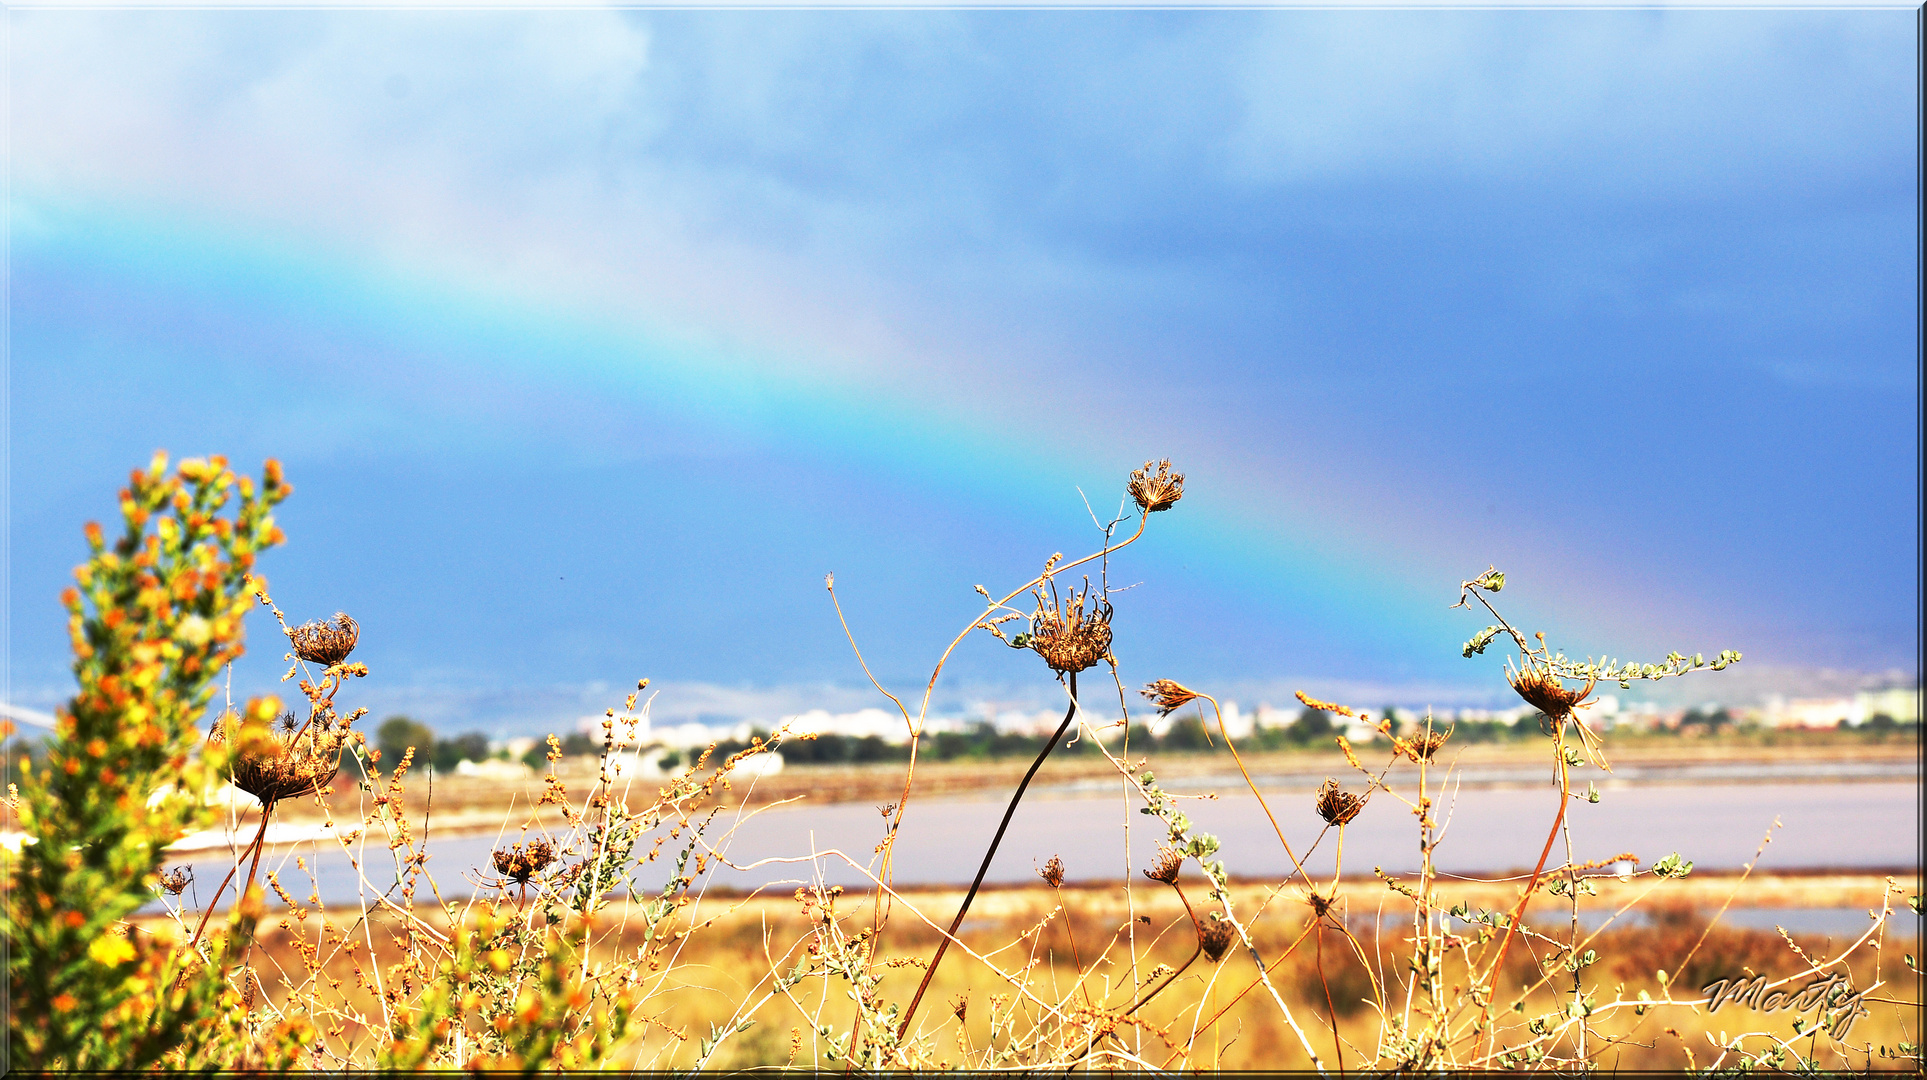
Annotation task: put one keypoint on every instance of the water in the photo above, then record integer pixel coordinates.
(1535, 775)
(1485, 830)
(1839, 923)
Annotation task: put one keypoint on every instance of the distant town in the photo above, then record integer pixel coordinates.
(867, 735)
(988, 731)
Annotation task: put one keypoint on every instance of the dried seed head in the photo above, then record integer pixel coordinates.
(1065, 635)
(289, 721)
(326, 642)
(1335, 806)
(1421, 745)
(1320, 903)
(1547, 694)
(520, 862)
(1216, 936)
(1053, 872)
(1170, 861)
(1158, 490)
(1169, 696)
(960, 1008)
(288, 763)
(175, 881)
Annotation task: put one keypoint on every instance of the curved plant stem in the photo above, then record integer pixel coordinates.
(1331, 1010)
(923, 706)
(910, 1013)
(1518, 912)
(1071, 933)
(260, 836)
(1262, 805)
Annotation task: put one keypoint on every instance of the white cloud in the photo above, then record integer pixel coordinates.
(1638, 103)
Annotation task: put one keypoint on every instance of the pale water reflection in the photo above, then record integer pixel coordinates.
(1852, 826)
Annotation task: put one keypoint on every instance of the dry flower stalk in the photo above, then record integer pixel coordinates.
(1053, 872)
(1066, 635)
(325, 641)
(1169, 696)
(1325, 706)
(1547, 694)
(1421, 745)
(1159, 490)
(1216, 936)
(1170, 861)
(1335, 806)
(1075, 633)
(290, 762)
(520, 862)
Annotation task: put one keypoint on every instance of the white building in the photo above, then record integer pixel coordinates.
(1778, 711)
(1900, 702)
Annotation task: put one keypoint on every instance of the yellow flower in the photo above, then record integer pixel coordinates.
(111, 950)
(195, 630)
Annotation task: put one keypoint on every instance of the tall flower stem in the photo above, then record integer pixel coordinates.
(909, 1014)
(260, 836)
(1493, 973)
(1262, 805)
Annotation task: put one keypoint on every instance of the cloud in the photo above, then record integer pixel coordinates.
(838, 131)
(1320, 257)
(1632, 103)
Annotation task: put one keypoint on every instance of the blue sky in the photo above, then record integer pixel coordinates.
(592, 340)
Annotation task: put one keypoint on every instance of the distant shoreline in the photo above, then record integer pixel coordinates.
(468, 807)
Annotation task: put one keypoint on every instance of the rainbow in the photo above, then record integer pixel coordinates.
(1380, 601)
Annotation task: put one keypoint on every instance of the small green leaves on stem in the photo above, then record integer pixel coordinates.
(1672, 866)
(1480, 641)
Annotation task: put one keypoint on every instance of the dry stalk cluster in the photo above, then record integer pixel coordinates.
(595, 942)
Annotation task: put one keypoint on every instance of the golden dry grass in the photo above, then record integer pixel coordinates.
(1024, 936)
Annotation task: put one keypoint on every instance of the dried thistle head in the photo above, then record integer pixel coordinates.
(175, 882)
(1158, 490)
(289, 763)
(1216, 936)
(289, 721)
(1170, 861)
(1420, 746)
(520, 862)
(326, 642)
(1169, 696)
(1067, 636)
(1320, 903)
(1335, 806)
(1547, 694)
(1053, 872)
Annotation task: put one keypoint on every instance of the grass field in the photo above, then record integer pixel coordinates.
(1030, 941)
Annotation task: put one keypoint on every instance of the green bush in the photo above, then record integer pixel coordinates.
(153, 618)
